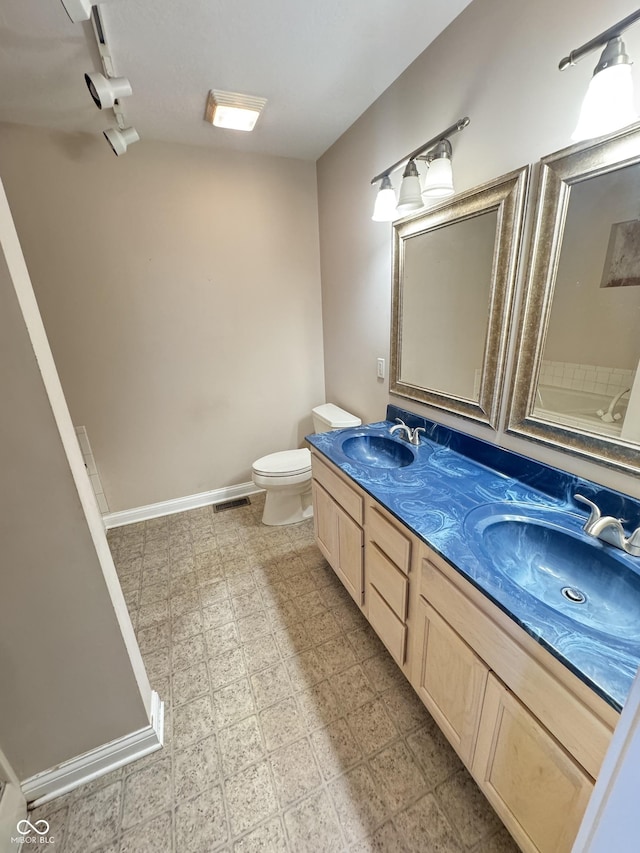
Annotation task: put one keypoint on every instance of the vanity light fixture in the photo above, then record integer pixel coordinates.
(232, 110)
(410, 189)
(608, 103)
(439, 180)
(437, 154)
(384, 209)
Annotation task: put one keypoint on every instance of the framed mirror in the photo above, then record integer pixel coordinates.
(576, 383)
(454, 267)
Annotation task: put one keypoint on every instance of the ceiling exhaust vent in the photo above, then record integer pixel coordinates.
(233, 111)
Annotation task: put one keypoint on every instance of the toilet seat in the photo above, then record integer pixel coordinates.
(284, 463)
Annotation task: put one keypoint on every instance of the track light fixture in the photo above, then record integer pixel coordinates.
(436, 153)
(120, 140)
(105, 91)
(608, 103)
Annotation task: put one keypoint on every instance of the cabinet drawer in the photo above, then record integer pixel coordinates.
(340, 491)
(389, 582)
(395, 544)
(387, 626)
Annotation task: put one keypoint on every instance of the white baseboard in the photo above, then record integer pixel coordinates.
(13, 808)
(98, 762)
(144, 513)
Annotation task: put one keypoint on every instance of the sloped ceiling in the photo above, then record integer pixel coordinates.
(320, 64)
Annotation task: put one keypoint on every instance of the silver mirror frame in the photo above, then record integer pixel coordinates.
(558, 172)
(506, 196)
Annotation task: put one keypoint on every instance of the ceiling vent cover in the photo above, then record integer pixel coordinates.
(233, 111)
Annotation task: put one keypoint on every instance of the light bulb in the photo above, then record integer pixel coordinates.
(608, 103)
(385, 206)
(410, 190)
(439, 180)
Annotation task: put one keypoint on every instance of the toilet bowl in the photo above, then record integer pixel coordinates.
(286, 475)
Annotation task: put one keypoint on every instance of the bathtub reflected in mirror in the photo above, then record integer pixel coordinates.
(577, 382)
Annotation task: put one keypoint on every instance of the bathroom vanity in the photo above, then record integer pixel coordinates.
(527, 698)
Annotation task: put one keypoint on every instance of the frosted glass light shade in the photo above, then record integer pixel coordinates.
(608, 103)
(410, 195)
(410, 190)
(439, 180)
(385, 207)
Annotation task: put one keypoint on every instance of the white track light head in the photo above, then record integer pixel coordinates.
(120, 140)
(105, 91)
(77, 10)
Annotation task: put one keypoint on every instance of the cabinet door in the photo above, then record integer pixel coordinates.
(350, 551)
(341, 541)
(325, 522)
(534, 785)
(450, 680)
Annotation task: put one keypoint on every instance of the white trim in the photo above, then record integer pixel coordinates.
(98, 762)
(143, 513)
(610, 821)
(13, 808)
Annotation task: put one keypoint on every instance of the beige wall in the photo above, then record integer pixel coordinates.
(498, 64)
(71, 674)
(180, 290)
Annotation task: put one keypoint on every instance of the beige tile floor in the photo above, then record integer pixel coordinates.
(288, 726)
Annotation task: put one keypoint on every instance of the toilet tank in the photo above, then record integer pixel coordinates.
(328, 416)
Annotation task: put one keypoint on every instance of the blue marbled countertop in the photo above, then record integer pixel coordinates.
(433, 496)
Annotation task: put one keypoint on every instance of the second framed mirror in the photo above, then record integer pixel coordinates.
(576, 384)
(453, 276)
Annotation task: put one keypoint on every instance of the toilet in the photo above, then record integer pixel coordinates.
(286, 475)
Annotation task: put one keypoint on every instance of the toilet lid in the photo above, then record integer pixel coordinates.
(284, 464)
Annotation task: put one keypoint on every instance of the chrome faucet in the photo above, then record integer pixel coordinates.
(609, 416)
(609, 529)
(410, 435)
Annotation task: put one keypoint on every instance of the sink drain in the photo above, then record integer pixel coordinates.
(574, 595)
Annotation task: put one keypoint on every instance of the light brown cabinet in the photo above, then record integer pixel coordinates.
(450, 680)
(532, 734)
(388, 550)
(339, 536)
(536, 787)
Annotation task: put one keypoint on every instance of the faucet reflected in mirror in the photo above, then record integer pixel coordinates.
(576, 385)
(591, 355)
(611, 415)
(589, 397)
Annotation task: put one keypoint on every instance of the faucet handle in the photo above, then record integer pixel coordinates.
(632, 544)
(415, 435)
(595, 510)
